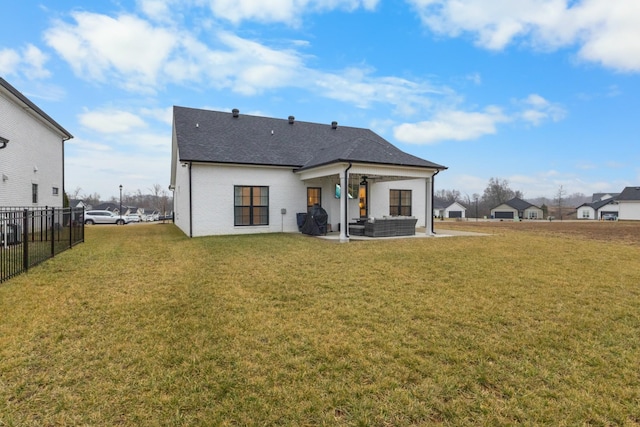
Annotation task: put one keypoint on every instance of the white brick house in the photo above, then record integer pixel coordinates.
(241, 174)
(31, 153)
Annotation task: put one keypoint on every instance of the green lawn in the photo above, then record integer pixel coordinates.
(140, 325)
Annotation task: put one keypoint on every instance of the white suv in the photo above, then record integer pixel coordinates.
(103, 217)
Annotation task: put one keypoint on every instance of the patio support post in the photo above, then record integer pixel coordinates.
(344, 197)
(429, 204)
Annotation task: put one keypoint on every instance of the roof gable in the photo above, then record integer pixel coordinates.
(519, 204)
(599, 197)
(218, 137)
(23, 99)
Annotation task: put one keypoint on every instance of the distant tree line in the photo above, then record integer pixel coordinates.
(157, 198)
(498, 191)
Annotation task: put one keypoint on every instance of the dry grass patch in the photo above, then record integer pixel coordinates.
(142, 326)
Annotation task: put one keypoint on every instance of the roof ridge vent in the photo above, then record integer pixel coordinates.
(334, 125)
(235, 112)
(291, 120)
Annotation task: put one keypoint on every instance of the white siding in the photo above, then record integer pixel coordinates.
(585, 212)
(379, 198)
(32, 145)
(455, 207)
(213, 199)
(504, 208)
(629, 210)
(181, 198)
(533, 213)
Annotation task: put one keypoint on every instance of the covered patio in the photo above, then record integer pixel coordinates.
(364, 192)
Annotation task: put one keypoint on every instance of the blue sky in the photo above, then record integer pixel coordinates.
(542, 93)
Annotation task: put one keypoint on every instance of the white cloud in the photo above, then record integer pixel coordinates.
(475, 78)
(34, 60)
(143, 57)
(9, 61)
(605, 31)
(30, 62)
(451, 125)
(537, 110)
(156, 9)
(111, 121)
(164, 115)
(99, 47)
(285, 11)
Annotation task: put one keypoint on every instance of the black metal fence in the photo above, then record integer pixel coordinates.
(30, 236)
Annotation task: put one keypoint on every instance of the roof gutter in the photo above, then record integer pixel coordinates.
(64, 191)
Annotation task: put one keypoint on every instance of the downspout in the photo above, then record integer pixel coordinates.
(64, 192)
(433, 180)
(345, 191)
(190, 204)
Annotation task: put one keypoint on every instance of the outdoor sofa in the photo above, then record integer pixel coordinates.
(387, 227)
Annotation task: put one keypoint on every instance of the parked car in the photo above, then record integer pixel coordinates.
(103, 217)
(133, 218)
(610, 217)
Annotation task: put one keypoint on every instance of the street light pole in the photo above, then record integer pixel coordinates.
(120, 211)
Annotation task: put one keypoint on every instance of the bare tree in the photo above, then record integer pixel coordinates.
(448, 196)
(76, 193)
(156, 191)
(498, 192)
(476, 198)
(559, 198)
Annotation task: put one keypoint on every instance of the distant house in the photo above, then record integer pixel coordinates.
(77, 203)
(109, 206)
(629, 204)
(604, 204)
(237, 174)
(623, 206)
(516, 209)
(31, 153)
(449, 210)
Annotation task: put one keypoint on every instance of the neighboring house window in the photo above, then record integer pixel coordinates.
(314, 196)
(54, 191)
(34, 193)
(585, 214)
(251, 205)
(400, 202)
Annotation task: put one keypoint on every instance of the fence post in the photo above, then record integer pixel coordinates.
(71, 227)
(53, 232)
(25, 239)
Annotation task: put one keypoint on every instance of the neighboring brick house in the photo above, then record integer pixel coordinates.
(233, 173)
(31, 153)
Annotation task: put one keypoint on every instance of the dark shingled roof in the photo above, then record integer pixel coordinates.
(597, 197)
(629, 193)
(15, 92)
(218, 137)
(519, 204)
